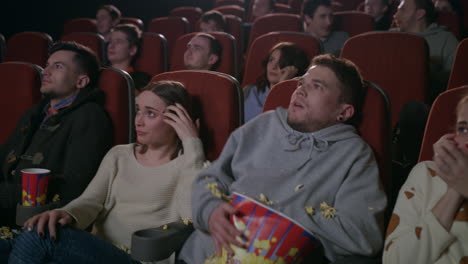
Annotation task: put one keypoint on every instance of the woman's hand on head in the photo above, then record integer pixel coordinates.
(452, 163)
(49, 218)
(180, 120)
(288, 72)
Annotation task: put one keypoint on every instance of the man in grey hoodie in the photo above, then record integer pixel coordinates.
(298, 158)
(418, 16)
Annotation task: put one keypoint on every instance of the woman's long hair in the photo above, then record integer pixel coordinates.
(290, 55)
(171, 92)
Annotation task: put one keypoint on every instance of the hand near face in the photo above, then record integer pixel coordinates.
(51, 218)
(180, 120)
(222, 231)
(452, 163)
(288, 72)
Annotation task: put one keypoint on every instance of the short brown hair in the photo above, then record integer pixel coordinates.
(216, 16)
(113, 11)
(351, 84)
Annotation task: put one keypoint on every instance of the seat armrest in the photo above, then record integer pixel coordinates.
(159, 243)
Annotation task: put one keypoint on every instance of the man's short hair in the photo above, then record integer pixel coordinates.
(85, 58)
(310, 6)
(428, 6)
(216, 16)
(351, 84)
(215, 47)
(132, 32)
(113, 11)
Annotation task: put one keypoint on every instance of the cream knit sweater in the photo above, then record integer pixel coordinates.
(414, 233)
(126, 196)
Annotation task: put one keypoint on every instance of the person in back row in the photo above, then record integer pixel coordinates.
(304, 159)
(418, 17)
(203, 53)
(379, 10)
(68, 132)
(138, 186)
(318, 22)
(122, 51)
(107, 17)
(212, 21)
(284, 61)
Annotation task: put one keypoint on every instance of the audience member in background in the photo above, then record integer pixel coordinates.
(418, 16)
(285, 61)
(318, 21)
(122, 51)
(137, 186)
(379, 9)
(310, 145)
(261, 8)
(68, 132)
(430, 221)
(107, 17)
(203, 53)
(212, 21)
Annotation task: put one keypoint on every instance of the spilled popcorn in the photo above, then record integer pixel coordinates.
(213, 187)
(327, 211)
(164, 227)
(298, 187)
(56, 198)
(187, 221)
(5, 233)
(309, 210)
(264, 199)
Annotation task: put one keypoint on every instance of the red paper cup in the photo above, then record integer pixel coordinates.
(34, 182)
(273, 237)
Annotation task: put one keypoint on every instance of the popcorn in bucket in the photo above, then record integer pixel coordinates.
(273, 237)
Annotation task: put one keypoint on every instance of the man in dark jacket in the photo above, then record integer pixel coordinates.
(68, 132)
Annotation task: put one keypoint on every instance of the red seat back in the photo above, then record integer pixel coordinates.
(171, 28)
(93, 41)
(441, 120)
(21, 84)
(120, 103)
(395, 61)
(284, 8)
(375, 127)
(219, 100)
(459, 74)
(133, 20)
(192, 14)
(32, 47)
(232, 10)
(152, 57)
(353, 22)
(228, 57)
(296, 5)
(229, 2)
(451, 21)
(346, 5)
(260, 48)
(274, 22)
(82, 24)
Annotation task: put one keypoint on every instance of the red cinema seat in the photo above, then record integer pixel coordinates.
(232, 10)
(152, 58)
(120, 103)
(229, 2)
(459, 74)
(93, 41)
(219, 100)
(171, 28)
(82, 24)
(133, 20)
(274, 22)
(192, 14)
(353, 22)
(32, 47)
(21, 84)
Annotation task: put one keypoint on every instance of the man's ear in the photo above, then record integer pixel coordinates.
(212, 59)
(133, 50)
(347, 111)
(420, 14)
(82, 81)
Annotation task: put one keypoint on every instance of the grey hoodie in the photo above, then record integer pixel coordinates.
(334, 165)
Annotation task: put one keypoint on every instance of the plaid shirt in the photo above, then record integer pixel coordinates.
(51, 110)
